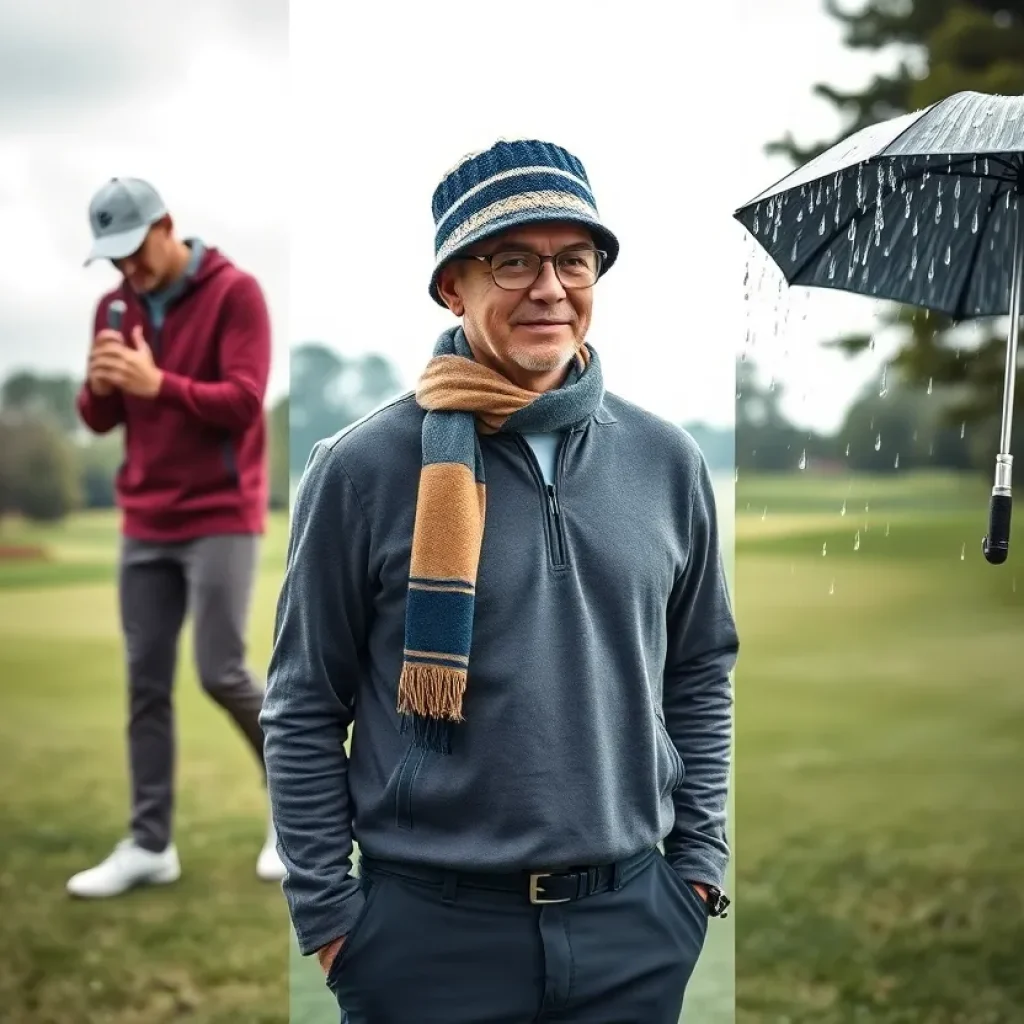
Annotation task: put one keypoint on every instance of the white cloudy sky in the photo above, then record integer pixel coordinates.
(314, 169)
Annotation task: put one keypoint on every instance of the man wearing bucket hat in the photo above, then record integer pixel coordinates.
(180, 358)
(511, 583)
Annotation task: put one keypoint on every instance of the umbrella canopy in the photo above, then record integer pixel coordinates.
(925, 209)
(919, 209)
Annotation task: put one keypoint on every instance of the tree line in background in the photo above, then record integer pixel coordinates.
(945, 47)
(889, 428)
(50, 465)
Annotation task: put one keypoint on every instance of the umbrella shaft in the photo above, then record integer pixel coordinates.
(1013, 332)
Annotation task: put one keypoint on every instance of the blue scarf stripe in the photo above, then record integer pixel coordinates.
(440, 622)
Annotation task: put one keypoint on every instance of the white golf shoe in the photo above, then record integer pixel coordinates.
(127, 867)
(269, 866)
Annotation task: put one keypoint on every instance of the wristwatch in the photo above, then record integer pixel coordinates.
(717, 901)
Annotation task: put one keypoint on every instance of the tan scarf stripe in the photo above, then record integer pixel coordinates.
(449, 524)
(455, 384)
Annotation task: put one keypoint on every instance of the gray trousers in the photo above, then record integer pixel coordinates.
(212, 577)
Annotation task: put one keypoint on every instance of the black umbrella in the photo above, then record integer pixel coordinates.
(925, 209)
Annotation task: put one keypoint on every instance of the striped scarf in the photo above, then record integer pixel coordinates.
(462, 397)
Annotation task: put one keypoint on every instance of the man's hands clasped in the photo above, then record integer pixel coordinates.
(113, 363)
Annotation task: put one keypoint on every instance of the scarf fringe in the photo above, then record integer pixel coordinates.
(432, 691)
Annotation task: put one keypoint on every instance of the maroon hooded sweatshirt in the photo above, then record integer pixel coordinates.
(195, 455)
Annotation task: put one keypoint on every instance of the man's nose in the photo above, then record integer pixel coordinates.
(547, 287)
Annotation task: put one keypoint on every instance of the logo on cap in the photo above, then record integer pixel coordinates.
(105, 219)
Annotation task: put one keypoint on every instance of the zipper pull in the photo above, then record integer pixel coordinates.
(552, 501)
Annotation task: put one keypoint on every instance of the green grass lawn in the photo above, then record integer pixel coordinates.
(880, 717)
(879, 858)
(211, 950)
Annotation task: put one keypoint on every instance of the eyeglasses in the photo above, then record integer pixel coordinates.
(574, 268)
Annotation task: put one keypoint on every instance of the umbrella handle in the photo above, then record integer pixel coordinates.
(996, 545)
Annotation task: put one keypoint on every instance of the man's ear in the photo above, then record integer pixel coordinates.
(449, 287)
(165, 225)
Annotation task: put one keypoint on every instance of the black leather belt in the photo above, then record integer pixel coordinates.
(539, 887)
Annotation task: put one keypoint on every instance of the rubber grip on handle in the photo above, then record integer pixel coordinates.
(996, 545)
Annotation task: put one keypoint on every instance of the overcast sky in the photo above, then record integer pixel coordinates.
(321, 185)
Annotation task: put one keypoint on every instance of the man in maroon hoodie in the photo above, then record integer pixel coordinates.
(180, 357)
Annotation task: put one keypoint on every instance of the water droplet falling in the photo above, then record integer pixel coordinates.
(887, 529)
(802, 464)
(824, 549)
(832, 587)
(896, 464)
(883, 390)
(856, 541)
(929, 385)
(963, 427)
(878, 443)
(847, 450)
(963, 551)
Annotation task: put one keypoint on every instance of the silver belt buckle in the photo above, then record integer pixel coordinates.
(536, 889)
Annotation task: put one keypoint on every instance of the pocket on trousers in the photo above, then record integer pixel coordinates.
(685, 890)
(352, 938)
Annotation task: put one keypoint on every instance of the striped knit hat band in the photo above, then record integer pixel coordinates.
(512, 183)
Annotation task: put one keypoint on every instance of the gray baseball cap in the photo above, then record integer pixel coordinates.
(120, 215)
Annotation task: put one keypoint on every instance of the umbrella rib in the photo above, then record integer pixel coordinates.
(957, 306)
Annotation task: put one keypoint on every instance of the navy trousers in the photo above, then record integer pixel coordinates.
(424, 954)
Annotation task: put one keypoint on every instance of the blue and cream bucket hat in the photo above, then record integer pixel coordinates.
(514, 182)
